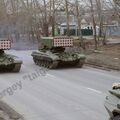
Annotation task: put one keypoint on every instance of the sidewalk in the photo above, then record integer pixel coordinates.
(107, 57)
(104, 61)
(113, 40)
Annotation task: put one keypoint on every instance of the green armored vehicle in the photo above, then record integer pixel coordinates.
(8, 63)
(52, 53)
(112, 102)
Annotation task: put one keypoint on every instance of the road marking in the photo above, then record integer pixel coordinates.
(49, 75)
(97, 91)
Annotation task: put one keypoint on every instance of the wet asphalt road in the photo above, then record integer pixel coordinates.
(62, 94)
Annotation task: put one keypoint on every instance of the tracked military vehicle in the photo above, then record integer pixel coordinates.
(112, 102)
(8, 63)
(52, 54)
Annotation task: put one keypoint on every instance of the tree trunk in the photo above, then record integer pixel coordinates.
(53, 19)
(79, 25)
(45, 30)
(94, 24)
(45, 22)
(67, 20)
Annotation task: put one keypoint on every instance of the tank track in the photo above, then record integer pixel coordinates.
(10, 68)
(81, 63)
(54, 64)
(17, 67)
(46, 63)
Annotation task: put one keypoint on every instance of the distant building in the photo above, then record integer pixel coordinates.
(111, 29)
(74, 27)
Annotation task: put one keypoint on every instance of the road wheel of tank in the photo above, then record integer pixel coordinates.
(42, 63)
(116, 117)
(38, 62)
(53, 65)
(80, 63)
(35, 61)
(17, 67)
(47, 64)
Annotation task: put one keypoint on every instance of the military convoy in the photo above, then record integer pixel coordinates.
(8, 63)
(52, 53)
(112, 102)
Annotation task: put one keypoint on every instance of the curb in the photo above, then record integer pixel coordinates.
(103, 67)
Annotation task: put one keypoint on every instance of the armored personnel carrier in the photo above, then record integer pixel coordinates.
(112, 102)
(8, 63)
(52, 53)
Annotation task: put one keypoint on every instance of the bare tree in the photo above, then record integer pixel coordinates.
(102, 32)
(94, 23)
(100, 16)
(67, 15)
(79, 23)
(53, 18)
(116, 7)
